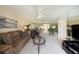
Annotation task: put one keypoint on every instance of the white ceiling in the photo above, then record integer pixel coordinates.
(48, 12)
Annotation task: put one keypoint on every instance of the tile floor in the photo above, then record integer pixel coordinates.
(52, 46)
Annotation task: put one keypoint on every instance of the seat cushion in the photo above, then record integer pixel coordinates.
(2, 40)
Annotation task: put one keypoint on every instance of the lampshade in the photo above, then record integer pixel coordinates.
(25, 27)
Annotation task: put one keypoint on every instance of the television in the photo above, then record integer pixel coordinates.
(75, 31)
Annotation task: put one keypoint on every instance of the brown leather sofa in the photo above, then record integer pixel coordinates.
(13, 42)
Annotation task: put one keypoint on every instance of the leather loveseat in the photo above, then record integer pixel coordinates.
(13, 42)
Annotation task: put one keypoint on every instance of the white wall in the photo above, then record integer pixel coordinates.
(6, 12)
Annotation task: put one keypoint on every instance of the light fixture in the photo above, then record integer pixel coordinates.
(53, 27)
(39, 15)
(25, 27)
(23, 30)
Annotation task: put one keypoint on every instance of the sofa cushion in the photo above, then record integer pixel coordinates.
(8, 39)
(2, 40)
(14, 35)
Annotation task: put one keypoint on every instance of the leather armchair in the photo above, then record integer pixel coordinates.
(71, 47)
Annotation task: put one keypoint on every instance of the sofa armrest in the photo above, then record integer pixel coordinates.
(4, 48)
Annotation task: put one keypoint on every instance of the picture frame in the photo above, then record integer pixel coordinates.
(7, 23)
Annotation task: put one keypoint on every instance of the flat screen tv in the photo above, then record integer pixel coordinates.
(75, 31)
